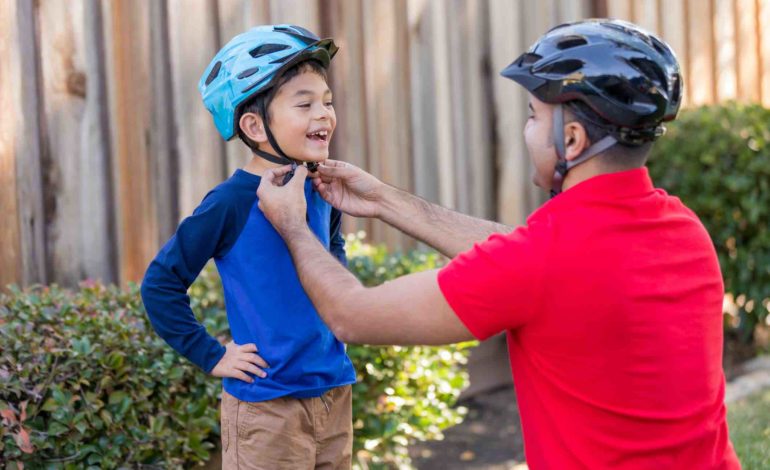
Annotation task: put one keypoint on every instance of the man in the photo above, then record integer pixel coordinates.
(610, 295)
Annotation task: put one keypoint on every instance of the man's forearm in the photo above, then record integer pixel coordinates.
(329, 285)
(447, 231)
(408, 310)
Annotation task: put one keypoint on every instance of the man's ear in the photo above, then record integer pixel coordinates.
(575, 140)
(251, 125)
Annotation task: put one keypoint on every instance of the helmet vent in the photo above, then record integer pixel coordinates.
(214, 73)
(265, 49)
(651, 70)
(283, 59)
(620, 92)
(248, 72)
(298, 32)
(571, 41)
(562, 67)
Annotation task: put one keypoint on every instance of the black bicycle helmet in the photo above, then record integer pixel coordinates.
(627, 76)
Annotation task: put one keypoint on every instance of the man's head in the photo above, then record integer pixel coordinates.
(270, 67)
(597, 87)
(298, 111)
(580, 133)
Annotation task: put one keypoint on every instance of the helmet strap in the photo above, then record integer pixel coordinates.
(281, 158)
(562, 165)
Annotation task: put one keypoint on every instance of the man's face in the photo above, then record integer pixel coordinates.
(538, 135)
(302, 117)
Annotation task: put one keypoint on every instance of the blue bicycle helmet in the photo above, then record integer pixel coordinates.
(250, 64)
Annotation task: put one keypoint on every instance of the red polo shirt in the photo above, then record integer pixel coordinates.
(611, 297)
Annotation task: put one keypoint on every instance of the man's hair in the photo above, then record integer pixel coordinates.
(254, 104)
(619, 156)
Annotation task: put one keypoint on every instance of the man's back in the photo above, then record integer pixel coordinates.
(615, 336)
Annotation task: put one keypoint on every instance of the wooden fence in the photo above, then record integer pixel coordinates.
(105, 146)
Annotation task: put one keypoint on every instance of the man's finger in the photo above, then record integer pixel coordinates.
(250, 347)
(333, 171)
(299, 176)
(330, 162)
(275, 175)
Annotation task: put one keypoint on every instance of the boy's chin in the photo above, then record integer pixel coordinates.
(314, 158)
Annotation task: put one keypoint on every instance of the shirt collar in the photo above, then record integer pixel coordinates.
(607, 186)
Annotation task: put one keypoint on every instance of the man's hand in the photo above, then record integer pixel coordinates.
(283, 205)
(238, 360)
(349, 188)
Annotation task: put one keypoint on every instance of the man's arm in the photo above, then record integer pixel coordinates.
(447, 231)
(408, 310)
(358, 193)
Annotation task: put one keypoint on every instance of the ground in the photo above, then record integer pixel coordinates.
(489, 438)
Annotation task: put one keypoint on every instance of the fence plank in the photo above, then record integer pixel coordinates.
(507, 42)
(724, 52)
(476, 122)
(747, 50)
(422, 41)
(24, 255)
(235, 17)
(303, 13)
(387, 90)
(343, 22)
(127, 35)
(674, 32)
(10, 255)
(162, 135)
(764, 40)
(445, 91)
(194, 40)
(620, 9)
(645, 14)
(701, 52)
(76, 154)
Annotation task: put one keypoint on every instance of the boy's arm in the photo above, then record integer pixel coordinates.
(164, 288)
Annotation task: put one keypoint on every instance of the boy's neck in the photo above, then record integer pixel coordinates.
(258, 166)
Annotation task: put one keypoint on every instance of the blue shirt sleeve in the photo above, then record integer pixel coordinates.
(336, 240)
(200, 237)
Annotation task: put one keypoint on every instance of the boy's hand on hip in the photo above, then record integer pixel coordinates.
(348, 188)
(283, 205)
(238, 360)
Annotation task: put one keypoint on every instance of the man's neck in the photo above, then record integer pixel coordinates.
(588, 170)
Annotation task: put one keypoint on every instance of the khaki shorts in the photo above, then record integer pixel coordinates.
(288, 433)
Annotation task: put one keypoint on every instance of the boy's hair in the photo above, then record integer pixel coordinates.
(263, 100)
(621, 155)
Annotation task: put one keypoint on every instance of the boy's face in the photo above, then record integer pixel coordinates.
(302, 118)
(538, 136)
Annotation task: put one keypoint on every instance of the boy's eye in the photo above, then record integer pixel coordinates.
(303, 105)
(329, 103)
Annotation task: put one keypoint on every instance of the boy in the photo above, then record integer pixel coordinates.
(268, 86)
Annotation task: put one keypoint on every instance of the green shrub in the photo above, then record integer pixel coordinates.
(717, 160)
(84, 381)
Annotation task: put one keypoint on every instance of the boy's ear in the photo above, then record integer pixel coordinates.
(575, 140)
(251, 125)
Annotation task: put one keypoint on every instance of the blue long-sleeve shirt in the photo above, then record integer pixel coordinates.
(265, 302)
